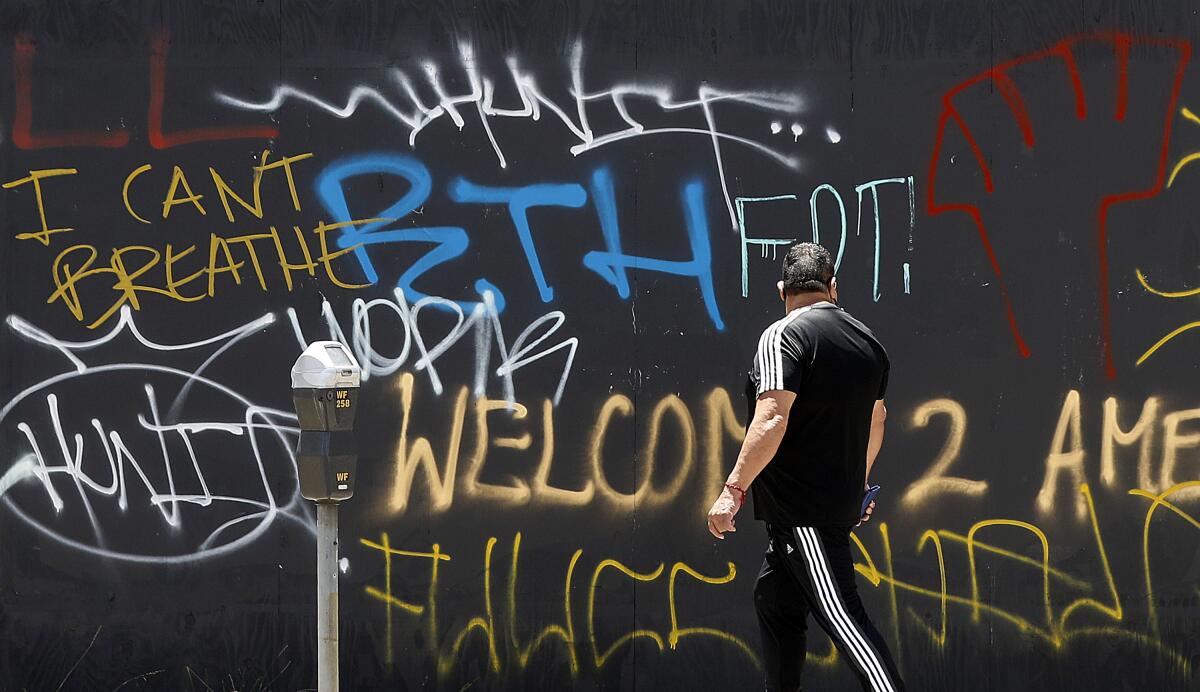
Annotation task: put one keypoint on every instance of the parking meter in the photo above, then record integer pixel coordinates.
(325, 381)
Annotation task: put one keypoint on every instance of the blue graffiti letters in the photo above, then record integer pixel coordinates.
(450, 242)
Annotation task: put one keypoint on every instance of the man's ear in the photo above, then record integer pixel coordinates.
(782, 295)
(833, 292)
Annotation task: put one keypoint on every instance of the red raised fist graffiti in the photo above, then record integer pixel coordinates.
(1035, 151)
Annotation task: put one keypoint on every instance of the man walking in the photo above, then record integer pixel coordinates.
(816, 425)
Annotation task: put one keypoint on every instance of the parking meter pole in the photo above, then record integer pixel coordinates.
(327, 597)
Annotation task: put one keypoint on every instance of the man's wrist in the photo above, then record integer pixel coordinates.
(738, 491)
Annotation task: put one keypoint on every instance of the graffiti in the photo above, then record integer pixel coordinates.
(132, 272)
(483, 323)
(1187, 160)
(35, 177)
(1067, 453)
(611, 264)
(442, 483)
(1051, 626)
(402, 102)
(934, 481)
(1065, 462)
(1060, 56)
(77, 265)
(514, 235)
(1053, 629)
(180, 274)
(224, 191)
(25, 137)
(1170, 336)
(152, 468)
(1157, 501)
(774, 243)
(489, 625)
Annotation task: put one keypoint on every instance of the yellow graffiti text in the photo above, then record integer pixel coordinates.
(35, 177)
(659, 483)
(605, 579)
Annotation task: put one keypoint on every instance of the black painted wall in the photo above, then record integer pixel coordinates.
(545, 226)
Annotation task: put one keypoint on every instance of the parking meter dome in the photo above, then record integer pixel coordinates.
(325, 365)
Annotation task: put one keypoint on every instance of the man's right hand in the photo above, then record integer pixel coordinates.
(720, 515)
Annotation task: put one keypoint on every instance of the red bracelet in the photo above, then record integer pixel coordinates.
(735, 486)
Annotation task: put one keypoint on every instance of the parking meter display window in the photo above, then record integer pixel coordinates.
(337, 356)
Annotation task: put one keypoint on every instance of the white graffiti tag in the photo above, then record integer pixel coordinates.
(99, 433)
(402, 102)
(395, 315)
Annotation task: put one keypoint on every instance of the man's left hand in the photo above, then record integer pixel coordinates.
(867, 514)
(720, 516)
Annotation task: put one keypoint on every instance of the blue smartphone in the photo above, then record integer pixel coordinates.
(867, 497)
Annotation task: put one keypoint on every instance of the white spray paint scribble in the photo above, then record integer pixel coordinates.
(402, 102)
(24, 468)
(61, 453)
(483, 320)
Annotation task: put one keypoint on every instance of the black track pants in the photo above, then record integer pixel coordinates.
(810, 570)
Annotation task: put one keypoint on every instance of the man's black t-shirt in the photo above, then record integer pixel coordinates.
(838, 370)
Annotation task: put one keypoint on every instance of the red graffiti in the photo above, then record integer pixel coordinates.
(1007, 88)
(24, 51)
(23, 135)
(154, 118)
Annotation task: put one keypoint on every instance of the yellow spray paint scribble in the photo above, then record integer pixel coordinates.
(522, 653)
(566, 634)
(892, 604)
(1190, 157)
(940, 637)
(1156, 502)
(1163, 341)
(600, 658)
(1067, 579)
(1115, 611)
(486, 625)
(435, 554)
(1167, 294)
(825, 660)
(1179, 166)
(971, 559)
(678, 633)
(1054, 631)
(1051, 627)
